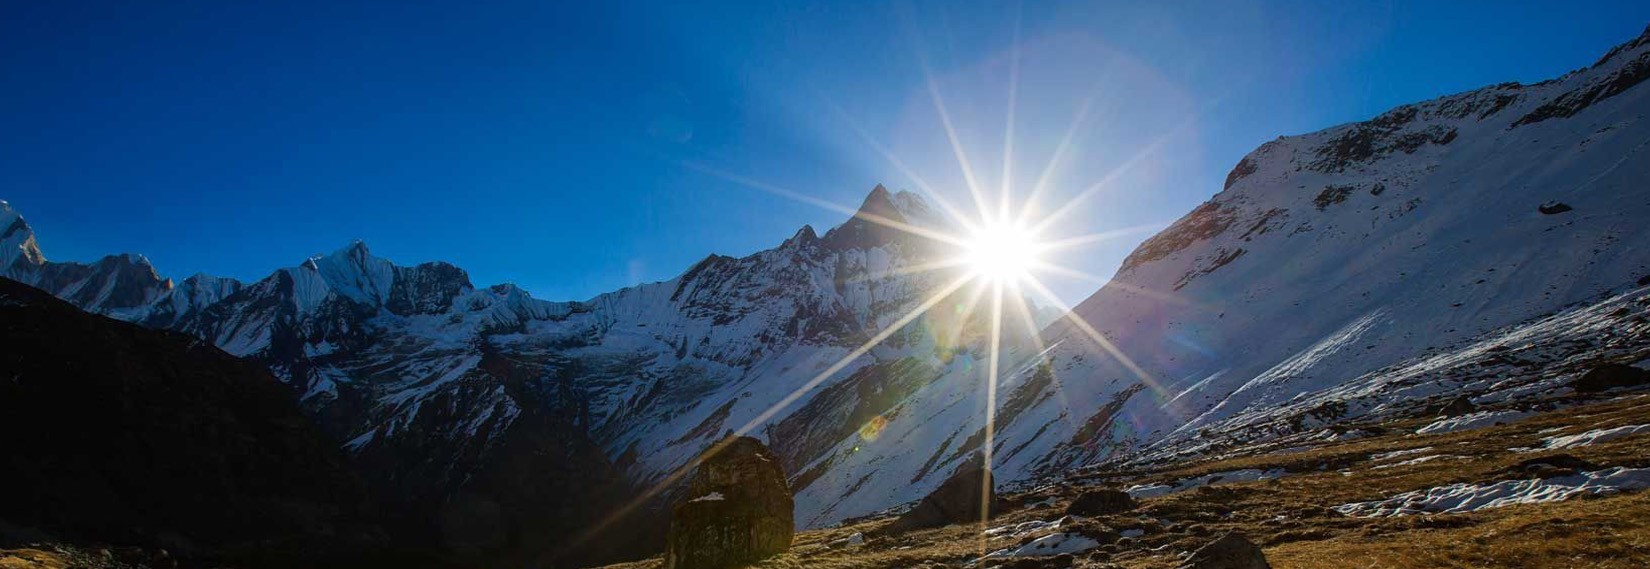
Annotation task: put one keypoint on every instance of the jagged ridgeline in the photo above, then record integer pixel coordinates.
(1346, 273)
(475, 412)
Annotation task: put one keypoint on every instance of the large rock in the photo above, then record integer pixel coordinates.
(737, 509)
(1611, 376)
(1455, 407)
(1231, 551)
(1101, 503)
(968, 496)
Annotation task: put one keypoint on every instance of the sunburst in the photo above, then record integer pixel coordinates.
(1000, 248)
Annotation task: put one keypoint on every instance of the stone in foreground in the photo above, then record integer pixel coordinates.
(1101, 502)
(959, 499)
(737, 510)
(1231, 551)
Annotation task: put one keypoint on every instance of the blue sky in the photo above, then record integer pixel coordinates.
(575, 148)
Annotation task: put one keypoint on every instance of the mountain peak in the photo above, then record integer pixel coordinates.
(802, 237)
(1642, 40)
(879, 204)
(879, 220)
(16, 239)
(357, 248)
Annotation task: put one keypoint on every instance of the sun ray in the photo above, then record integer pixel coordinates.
(804, 198)
(1027, 318)
(1036, 334)
(919, 268)
(1103, 236)
(1095, 335)
(993, 362)
(763, 417)
(1114, 283)
(864, 348)
(951, 132)
(950, 209)
(966, 315)
(1047, 174)
(1008, 128)
(1115, 173)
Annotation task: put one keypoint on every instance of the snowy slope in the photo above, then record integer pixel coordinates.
(405, 365)
(116, 285)
(1311, 287)
(1355, 270)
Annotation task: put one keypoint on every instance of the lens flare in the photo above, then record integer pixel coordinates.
(873, 428)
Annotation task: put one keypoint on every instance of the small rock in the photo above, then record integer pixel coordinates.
(1101, 503)
(957, 500)
(1552, 208)
(1231, 551)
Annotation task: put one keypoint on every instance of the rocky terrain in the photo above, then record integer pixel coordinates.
(1481, 251)
(1355, 272)
(1557, 486)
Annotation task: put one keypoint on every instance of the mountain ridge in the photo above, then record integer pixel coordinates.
(1348, 246)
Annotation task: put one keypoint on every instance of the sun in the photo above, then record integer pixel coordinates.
(1001, 252)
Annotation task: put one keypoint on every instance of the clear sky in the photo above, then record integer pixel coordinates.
(575, 148)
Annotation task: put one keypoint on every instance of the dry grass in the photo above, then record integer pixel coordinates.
(1600, 533)
(31, 559)
(1291, 518)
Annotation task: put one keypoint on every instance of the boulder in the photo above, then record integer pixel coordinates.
(1101, 503)
(1547, 467)
(1456, 407)
(1610, 376)
(737, 509)
(1231, 551)
(958, 500)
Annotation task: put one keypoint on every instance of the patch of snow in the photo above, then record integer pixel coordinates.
(1465, 497)
(1417, 460)
(1053, 544)
(1592, 437)
(714, 497)
(1397, 453)
(1026, 528)
(1471, 421)
(1135, 532)
(1043, 503)
(1226, 477)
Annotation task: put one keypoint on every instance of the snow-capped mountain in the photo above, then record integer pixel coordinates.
(441, 388)
(1342, 273)
(114, 285)
(1314, 286)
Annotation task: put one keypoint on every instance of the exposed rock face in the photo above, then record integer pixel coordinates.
(445, 393)
(1456, 407)
(737, 510)
(958, 500)
(1611, 376)
(1553, 208)
(1231, 551)
(1101, 502)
